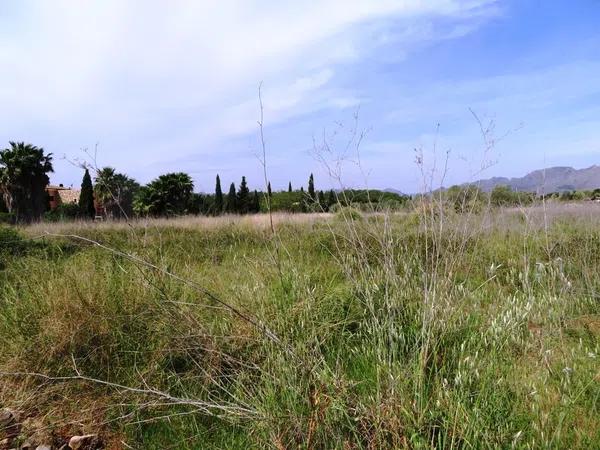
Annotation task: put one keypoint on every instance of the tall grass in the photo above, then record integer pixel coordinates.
(428, 329)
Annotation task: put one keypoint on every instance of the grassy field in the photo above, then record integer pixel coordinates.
(411, 330)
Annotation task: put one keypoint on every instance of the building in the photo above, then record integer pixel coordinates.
(60, 195)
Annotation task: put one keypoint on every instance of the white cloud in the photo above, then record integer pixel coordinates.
(182, 72)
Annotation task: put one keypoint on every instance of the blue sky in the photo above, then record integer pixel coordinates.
(162, 87)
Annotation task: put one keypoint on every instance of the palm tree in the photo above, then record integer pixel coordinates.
(168, 195)
(23, 180)
(114, 192)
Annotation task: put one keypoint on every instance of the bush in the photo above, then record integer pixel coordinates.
(11, 243)
(6, 217)
(347, 213)
(9, 238)
(505, 196)
(465, 199)
(64, 212)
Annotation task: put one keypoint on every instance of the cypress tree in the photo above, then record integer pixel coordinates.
(331, 200)
(256, 202)
(269, 192)
(86, 197)
(290, 187)
(218, 206)
(322, 204)
(231, 203)
(302, 199)
(311, 187)
(243, 198)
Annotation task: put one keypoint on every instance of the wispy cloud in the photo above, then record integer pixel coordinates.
(163, 79)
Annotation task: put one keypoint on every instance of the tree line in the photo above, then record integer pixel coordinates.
(24, 170)
(172, 194)
(470, 198)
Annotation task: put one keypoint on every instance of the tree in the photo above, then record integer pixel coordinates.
(115, 192)
(86, 197)
(231, 202)
(302, 199)
(269, 192)
(503, 196)
(290, 187)
(170, 194)
(255, 202)
(322, 202)
(331, 199)
(311, 188)
(197, 204)
(23, 180)
(207, 205)
(243, 198)
(465, 199)
(218, 197)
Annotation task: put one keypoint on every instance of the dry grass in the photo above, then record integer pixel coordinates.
(429, 330)
(259, 221)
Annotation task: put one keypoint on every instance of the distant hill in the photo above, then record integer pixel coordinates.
(394, 191)
(553, 179)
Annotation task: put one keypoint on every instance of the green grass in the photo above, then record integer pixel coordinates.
(390, 333)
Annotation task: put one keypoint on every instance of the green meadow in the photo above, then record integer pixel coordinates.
(420, 329)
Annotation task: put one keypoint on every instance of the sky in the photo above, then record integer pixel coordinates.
(355, 91)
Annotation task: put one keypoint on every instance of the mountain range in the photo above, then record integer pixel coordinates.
(553, 179)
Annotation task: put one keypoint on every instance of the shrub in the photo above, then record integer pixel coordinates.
(64, 212)
(11, 243)
(347, 213)
(9, 238)
(6, 217)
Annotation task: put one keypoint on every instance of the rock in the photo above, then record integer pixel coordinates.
(8, 417)
(65, 447)
(77, 442)
(9, 424)
(26, 445)
(43, 447)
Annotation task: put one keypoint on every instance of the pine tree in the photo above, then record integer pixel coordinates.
(231, 203)
(218, 206)
(311, 188)
(269, 192)
(290, 187)
(86, 197)
(243, 198)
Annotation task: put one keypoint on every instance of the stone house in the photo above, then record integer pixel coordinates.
(60, 195)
